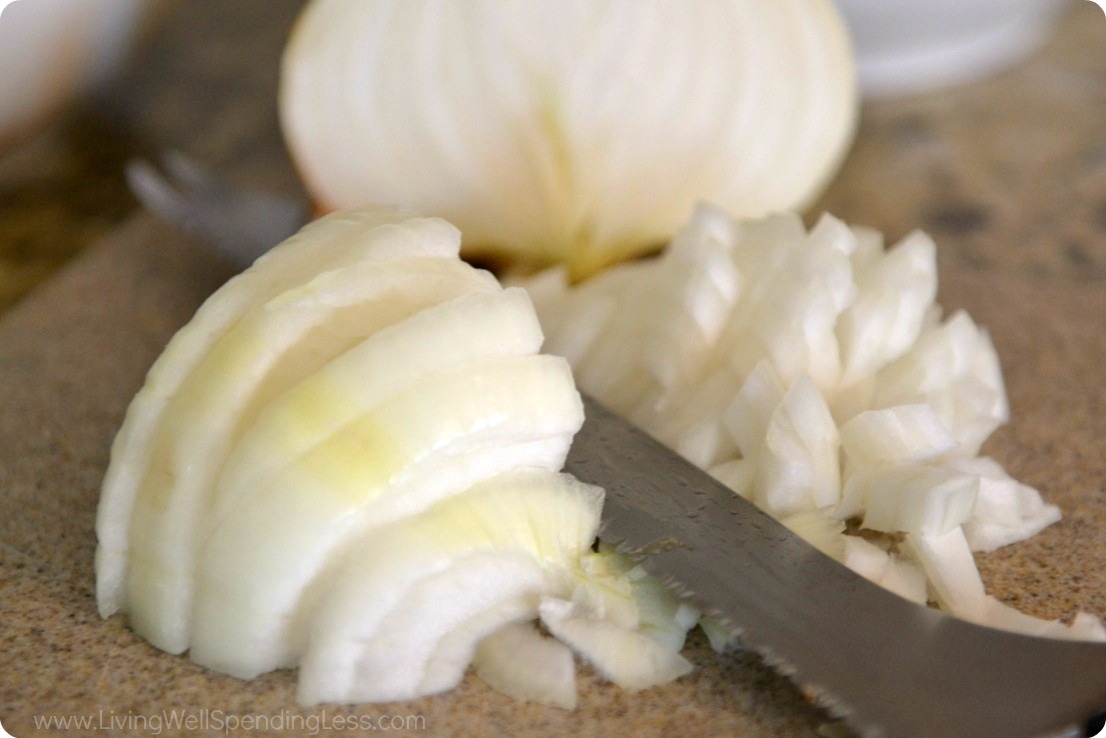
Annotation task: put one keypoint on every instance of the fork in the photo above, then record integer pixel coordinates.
(240, 223)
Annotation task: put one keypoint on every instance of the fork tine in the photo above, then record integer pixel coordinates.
(154, 191)
(185, 171)
(241, 223)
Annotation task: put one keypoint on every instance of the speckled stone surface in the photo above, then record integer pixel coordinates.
(1009, 175)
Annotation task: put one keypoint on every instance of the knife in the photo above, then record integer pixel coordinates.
(888, 667)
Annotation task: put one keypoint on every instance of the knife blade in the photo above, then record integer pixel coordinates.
(888, 667)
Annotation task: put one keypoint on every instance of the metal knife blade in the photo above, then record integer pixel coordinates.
(889, 667)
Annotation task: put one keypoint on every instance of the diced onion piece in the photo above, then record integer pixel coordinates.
(737, 474)
(906, 434)
(948, 561)
(748, 416)
(919, 499)
(885, 569)
(894, 292)
(906, 579)
(823, 532)
(629, 659)
(1005, 511)
(662, 615)
(865, 558)
(701, 285)
(520, 662)
(799, 459)
(721, 637)
(1084, 627)
(952, 367)
(950, 566)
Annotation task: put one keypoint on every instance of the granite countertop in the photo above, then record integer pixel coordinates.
(1007, 174)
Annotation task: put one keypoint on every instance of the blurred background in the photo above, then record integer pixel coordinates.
(983, 122)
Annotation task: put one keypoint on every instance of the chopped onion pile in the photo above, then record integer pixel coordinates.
(348, 461)
(568, 131)
(814, 374)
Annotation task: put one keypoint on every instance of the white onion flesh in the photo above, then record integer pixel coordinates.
(521, 663)
(568, 131)
(629, 659)
(503, 542)
(813, 373)
(348, 462)
(898, 575)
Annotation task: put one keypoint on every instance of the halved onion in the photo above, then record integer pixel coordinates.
(569, 131)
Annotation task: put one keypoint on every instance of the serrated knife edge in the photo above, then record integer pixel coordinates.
(889, 667)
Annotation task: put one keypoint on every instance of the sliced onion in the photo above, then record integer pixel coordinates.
(349, 463)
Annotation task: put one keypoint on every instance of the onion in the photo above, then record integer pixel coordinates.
(574, 131)
(813, 373)
(348, 461)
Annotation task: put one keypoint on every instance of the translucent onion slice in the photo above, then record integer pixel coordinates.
(422, 445)
(497, 323)
(402, 614)
(422, 648)
(344, 238)
(358, 471)
(269, 350)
